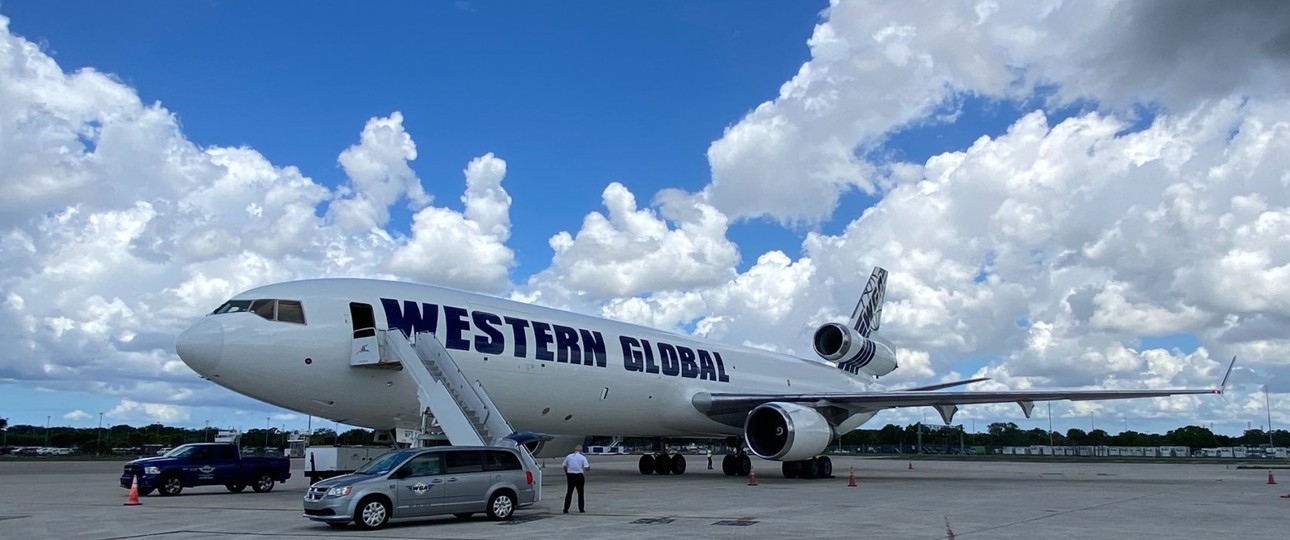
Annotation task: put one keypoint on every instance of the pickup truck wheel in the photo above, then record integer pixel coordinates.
(263, 483)
(372, 513)
(501, 506)
(235, 488)
(170, 485)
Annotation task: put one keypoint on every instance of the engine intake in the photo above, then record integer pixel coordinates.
(786, 431)
(853, 352)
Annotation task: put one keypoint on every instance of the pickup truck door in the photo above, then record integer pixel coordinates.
(419, 486)
(209, 465)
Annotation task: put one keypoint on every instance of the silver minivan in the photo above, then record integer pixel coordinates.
(420, 482)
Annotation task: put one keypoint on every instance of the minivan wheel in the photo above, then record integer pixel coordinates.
(372, 513)
(501, 505)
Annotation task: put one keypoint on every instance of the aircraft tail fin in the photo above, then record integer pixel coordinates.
(868, 313)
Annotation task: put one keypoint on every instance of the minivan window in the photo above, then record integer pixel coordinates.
(464, 461)
(383, 464)
(429, 464)
(501, 461)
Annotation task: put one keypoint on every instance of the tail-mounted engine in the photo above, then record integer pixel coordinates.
(853, 352)
(786, 431)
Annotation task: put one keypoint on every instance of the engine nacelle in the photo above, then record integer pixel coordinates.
(786, 431)
(853, 352)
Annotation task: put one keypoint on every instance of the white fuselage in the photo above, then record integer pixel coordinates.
(547, 370)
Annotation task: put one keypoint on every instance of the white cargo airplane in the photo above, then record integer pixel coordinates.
(561, 373)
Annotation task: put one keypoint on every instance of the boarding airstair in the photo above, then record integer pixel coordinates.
(461, 408)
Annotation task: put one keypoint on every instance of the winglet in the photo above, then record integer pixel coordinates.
(1222, 387)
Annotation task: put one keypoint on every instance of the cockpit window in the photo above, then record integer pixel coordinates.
(290, 311)
(233, 306)
(263, 308)
(274, 310)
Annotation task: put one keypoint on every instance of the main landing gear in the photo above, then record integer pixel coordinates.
(816, 467)
(736, 464)
(662, 463)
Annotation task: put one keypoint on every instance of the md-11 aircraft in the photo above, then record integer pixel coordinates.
(569, 375)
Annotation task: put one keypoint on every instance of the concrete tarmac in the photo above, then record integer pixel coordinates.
(934, 500)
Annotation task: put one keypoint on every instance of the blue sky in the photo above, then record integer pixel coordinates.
(575, 95)
(994, 171)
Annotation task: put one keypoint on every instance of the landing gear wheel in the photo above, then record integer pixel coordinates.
(170, 486)
(372, 513)
(678, 464)
(826, 467)
(662, 464)
(235, 488)
(263, 483)
(745, 465)
(647, 464)
(728, 465)
(790, 469)
(810, 468)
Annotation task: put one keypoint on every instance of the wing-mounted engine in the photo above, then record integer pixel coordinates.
(786, 431)
(853, 352)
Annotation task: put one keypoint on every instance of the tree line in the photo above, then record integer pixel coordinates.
(103, 440)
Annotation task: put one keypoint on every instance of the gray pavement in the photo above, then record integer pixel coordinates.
(934, 500)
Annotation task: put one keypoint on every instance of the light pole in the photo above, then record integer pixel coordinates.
(98, 437)
(1050, 424)
(206, 432)
(266, 434)
(46, 431)
(1268, 403)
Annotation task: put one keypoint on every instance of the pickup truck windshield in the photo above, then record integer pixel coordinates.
(385, 463)
(181, 451)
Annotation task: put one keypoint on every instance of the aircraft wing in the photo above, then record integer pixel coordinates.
(720, 404)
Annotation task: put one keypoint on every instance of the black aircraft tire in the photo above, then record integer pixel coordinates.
(790, 469)
(662, 464)
(810, 468)
(826, 467)
(745, 465)
(728, 465)
(678, 464)
(647, 464)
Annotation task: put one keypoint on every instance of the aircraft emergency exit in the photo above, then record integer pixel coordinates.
(314, 347)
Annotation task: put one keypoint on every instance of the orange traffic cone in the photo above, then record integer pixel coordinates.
(752, 478)
(851, 479)
(133, 499)
(1270, 479)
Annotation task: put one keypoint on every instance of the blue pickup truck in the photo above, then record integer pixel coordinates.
(205, 464)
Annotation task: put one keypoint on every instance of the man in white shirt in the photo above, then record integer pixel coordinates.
(575, 468)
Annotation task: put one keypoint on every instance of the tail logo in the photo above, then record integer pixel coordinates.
(868, 313)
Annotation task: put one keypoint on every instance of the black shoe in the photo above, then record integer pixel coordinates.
(582, 511)
(566, 510)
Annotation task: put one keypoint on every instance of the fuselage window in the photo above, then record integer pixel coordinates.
(233, 306)
(291, 311)
(263, 308)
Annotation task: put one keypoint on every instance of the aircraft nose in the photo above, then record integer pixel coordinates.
(202, 345)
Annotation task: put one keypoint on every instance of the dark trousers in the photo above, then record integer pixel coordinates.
(576, 481)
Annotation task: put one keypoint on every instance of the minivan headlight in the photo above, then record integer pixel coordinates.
(339, 491)
(152, 470)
